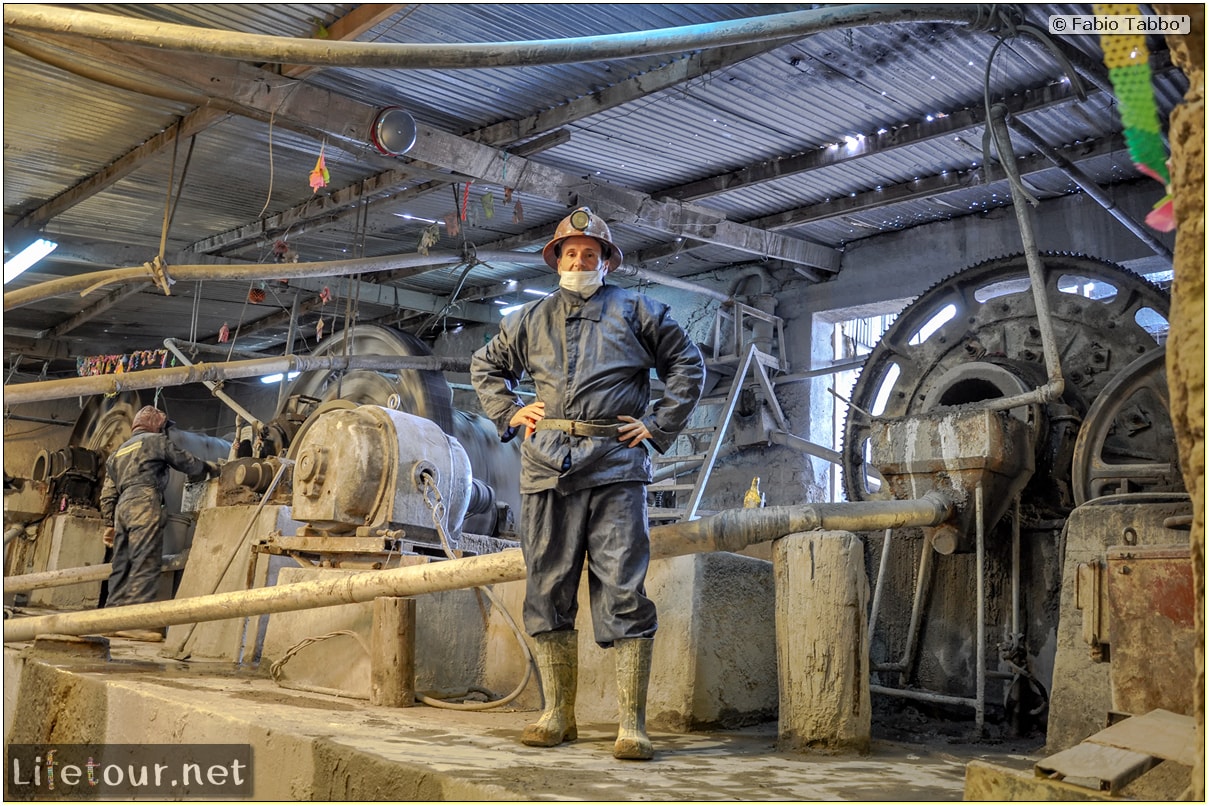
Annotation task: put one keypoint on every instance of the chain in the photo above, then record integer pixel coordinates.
(432, 497)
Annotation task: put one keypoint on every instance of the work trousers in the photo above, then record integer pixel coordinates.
(138, 547)
(605, 525)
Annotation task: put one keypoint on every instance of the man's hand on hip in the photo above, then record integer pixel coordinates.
(528, 416)
(633, 432)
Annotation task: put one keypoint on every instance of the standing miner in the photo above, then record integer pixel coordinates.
(132, 500)
(589, 349)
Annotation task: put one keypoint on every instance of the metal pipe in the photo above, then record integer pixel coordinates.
(24, 583)
(469, 55)
(830, 369)
(927, 696)
(16, 394)
(86, 283)
(216, 389)
(925, 568)
(1036, 273)
(805, 446)
(1016, 567)
(11, 534)
(980, 677)
(882, 565)
(732, 530)
(672, 282)
(1089, 186)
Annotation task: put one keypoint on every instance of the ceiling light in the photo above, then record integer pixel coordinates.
(28, 257)
(277, 377)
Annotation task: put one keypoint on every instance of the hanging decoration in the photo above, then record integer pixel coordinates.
(429, 238)
(325, 296)
(488, 202)
(1128, 63)
(465, 199)
(256, 294)
(115, 364)
(320, 176)
(518, 213)
(452, 225)
(224, 333)
(319, 330)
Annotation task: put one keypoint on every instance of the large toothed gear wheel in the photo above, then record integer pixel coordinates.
(975, 336)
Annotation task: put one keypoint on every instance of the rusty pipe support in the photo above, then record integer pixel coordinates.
(727, 531)
(472, 55)
(16, 394)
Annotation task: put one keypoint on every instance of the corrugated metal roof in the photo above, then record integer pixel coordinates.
(808, 99)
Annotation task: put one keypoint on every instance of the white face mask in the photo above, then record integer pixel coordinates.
(584, 283)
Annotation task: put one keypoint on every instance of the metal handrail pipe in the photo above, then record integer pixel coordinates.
(731, 530)
(17, 394)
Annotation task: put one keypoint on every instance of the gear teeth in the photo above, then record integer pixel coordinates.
(1068, 262)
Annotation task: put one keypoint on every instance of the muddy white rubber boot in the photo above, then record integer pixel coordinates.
(633, 675)
(557, 655)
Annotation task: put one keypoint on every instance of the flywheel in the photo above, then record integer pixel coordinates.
(1127, 443)
(976, 335)
(424, 393)
(105, 422)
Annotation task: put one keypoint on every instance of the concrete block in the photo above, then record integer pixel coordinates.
(822, 601)
(714, 657)
(219, 562)
(328, 647)
(69, 540)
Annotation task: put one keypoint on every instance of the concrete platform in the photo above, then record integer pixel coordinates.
(311, 746)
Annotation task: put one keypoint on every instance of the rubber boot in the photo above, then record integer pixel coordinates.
(633, 675)
(557, 656)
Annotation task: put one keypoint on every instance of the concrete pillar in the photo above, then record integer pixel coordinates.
(822, 605)
(392, 675)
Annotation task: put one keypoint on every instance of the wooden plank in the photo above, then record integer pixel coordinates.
(1095, 766)
(1159, 733)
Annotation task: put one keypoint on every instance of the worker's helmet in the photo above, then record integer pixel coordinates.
(149, 419)
(583, 222)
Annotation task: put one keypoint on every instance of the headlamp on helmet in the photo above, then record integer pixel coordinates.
(583, 222)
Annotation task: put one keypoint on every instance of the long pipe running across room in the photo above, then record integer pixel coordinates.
(731, 530)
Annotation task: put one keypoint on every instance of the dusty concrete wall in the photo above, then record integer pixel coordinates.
(1186, 345)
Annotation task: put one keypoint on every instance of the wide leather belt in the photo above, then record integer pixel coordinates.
(579, 428)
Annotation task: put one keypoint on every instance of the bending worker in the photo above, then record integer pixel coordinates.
(589, 349)
(132, 500)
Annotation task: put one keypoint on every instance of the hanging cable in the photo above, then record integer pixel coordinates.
(432, 497)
